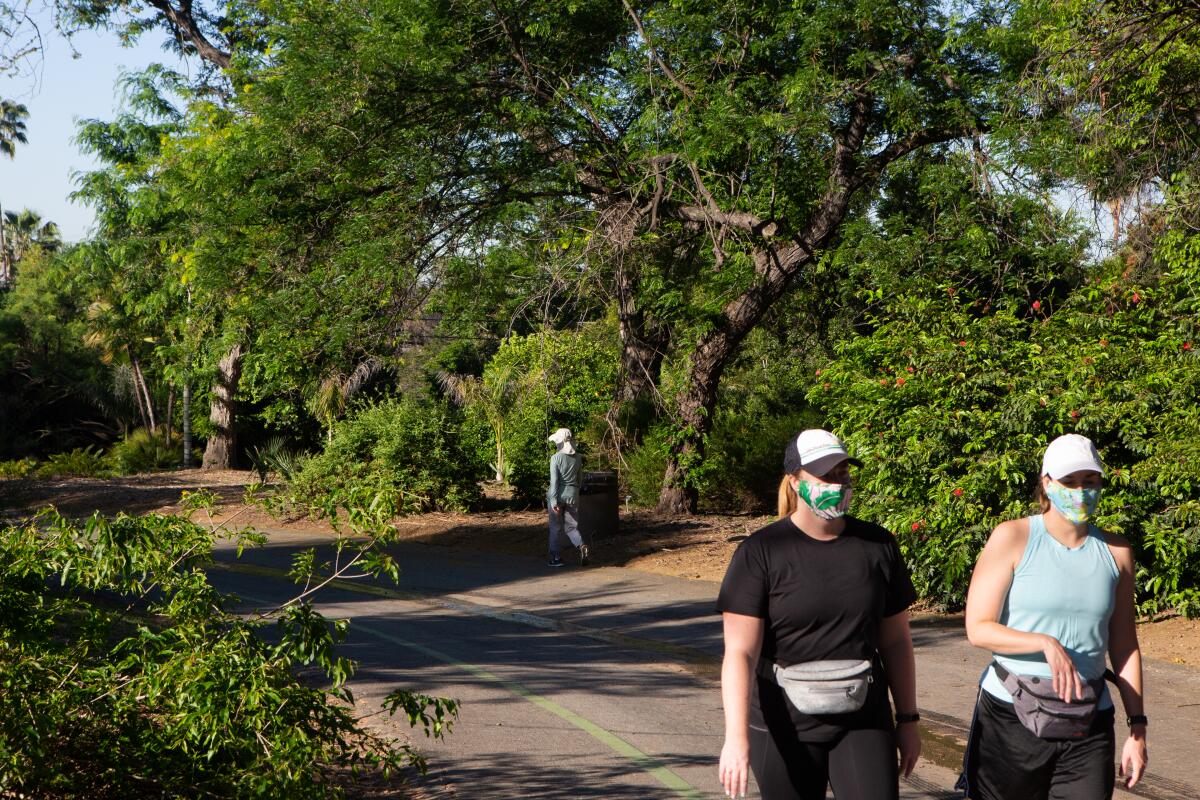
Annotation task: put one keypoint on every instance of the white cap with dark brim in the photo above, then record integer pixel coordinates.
(816, 451)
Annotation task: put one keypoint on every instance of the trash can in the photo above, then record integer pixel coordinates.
(599, 506)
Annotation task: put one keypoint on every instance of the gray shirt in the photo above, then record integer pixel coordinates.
(566, 472)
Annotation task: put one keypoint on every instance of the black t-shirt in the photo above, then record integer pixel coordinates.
(819, 600)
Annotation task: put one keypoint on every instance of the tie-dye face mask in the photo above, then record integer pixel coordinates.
(827, 500)
(1077, 505)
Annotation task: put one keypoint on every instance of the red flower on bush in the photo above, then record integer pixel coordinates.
(1104, 342)
(962, 342)
(1074, 414)
(1187, 345)
(950, 291)
(883, 381)
(899, 381)
(1137, 298)
(910, 369)
(958, 491)
(1037, 305)
(916, 526)
(818, 373)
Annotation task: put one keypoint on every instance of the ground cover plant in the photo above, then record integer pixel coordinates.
(126, 675)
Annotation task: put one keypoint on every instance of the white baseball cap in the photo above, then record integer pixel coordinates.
(817, 451)
(1069, 453)
(559, 436)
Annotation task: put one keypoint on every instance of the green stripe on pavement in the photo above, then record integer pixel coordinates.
(648, 764)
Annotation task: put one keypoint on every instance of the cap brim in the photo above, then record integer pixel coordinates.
(824, 464)
(1060, 472)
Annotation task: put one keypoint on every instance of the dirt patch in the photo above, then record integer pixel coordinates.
(134, 494)
(688, 547)
(1175, 639)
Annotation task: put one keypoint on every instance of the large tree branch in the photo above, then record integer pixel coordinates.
(183, 22)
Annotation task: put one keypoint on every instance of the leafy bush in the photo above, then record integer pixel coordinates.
(744, 459)
(18, 468)
(642, 477)
(408, 454)
(107, 696)
(558, 379)
(951, 408)
(82, 462)
(142, 451)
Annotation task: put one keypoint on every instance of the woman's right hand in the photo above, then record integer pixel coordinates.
(735, 767)
(1066, 679)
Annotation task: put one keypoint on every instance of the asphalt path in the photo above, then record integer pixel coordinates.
(574, 683)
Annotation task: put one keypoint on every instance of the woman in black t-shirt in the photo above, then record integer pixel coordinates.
(817, 585)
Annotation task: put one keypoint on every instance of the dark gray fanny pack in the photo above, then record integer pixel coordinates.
(1044, 712)
(826, 687)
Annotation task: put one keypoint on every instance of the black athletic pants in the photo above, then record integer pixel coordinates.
(859, 765)
(1005, 760)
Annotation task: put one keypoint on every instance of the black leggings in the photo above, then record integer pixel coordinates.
(860, 765)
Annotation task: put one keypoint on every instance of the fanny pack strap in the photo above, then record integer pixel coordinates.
(1097, 683)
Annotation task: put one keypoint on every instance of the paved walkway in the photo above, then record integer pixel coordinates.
(670, 622)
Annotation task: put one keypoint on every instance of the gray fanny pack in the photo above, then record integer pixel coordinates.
(1045, 713)
(826, 687)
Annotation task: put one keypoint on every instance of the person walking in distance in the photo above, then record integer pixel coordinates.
(815, 614)
(562, 499)
(1050, 597)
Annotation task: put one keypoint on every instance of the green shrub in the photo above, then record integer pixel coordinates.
(408, 454)
(743, 462)
(142, 451)
(18, 468)
(112, 698)
(557, 379)
(642, 477)
(951, 411)
(82, 462)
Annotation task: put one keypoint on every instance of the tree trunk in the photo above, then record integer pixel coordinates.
(169, 421)
(695, 407)
(643, 345)
(221, 451)
(137, 392)
(775, 269)
(139, 383)
(187, 423)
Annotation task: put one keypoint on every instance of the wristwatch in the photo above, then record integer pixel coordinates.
(1136, 719)
(911, 717)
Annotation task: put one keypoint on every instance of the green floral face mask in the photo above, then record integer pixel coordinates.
(827, 500)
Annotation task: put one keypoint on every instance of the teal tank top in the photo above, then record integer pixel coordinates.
(1067, 593)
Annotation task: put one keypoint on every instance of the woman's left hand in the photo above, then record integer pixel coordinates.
(908, 742)
(1134, 759)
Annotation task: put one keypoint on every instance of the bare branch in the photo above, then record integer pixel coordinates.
(670, 73)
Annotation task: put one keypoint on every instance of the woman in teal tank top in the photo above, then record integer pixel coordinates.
(1052, 597)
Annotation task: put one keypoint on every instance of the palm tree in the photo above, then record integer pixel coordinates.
(24, 229)
(499, 394)
(328, 400)
(12, 127)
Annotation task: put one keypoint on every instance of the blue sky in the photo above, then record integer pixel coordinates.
(60, 91)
